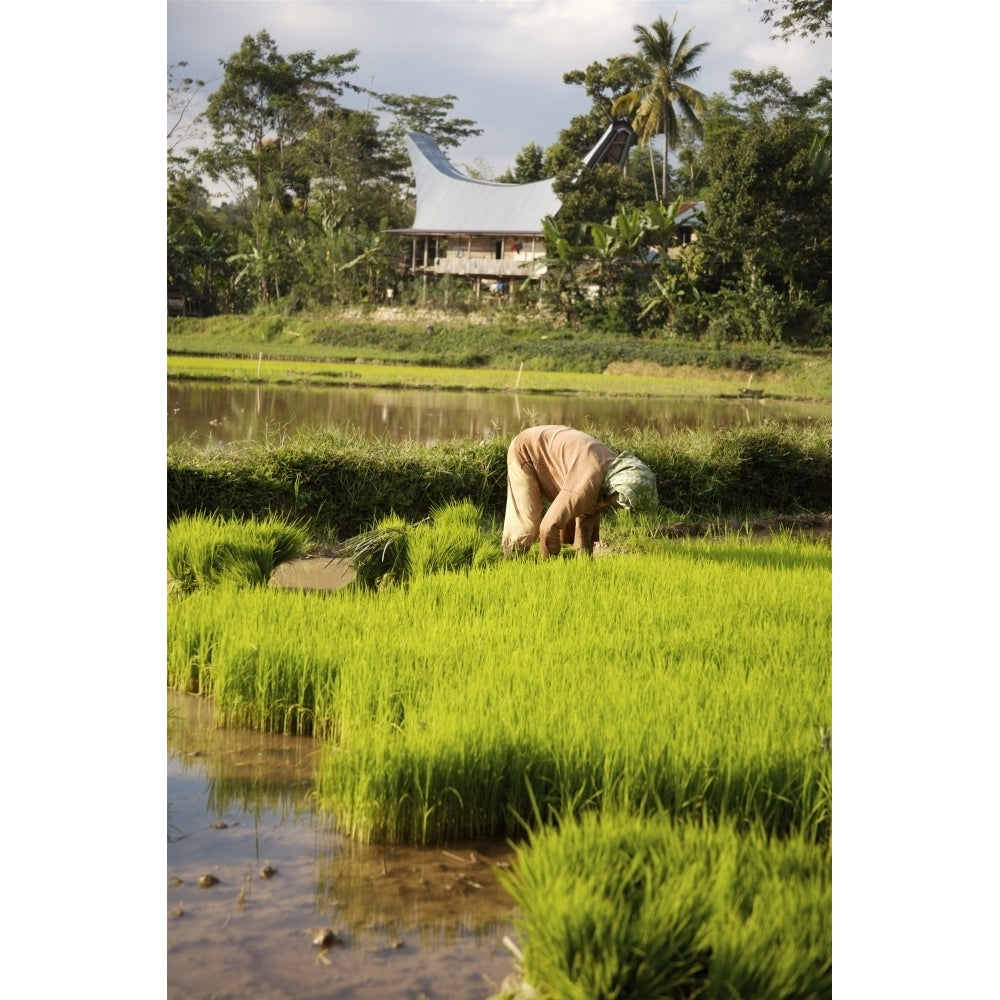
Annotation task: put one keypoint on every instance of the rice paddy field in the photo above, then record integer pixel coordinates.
(651, 729)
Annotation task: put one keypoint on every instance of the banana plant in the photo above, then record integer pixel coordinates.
(630, 247)
(670, 293)
(372, 257)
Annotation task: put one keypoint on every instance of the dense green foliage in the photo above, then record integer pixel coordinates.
(454, 537)
(684, 854)
(771, 223)
(800, 18)
(342, 484)
(315, 184)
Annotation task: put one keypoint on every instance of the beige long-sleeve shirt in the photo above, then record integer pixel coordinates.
(570, 467)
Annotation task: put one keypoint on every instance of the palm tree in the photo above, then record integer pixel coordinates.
(664, 66)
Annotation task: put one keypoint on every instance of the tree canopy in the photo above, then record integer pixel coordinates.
(800, 18)
(316, 184)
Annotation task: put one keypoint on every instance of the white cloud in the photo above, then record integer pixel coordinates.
(504, 60)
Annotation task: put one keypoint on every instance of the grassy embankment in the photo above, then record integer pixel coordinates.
(405, 350)
(340, 484)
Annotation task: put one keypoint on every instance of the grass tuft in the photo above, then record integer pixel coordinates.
(616, 906)
(205, 550)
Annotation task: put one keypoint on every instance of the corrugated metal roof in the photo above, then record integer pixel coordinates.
(448, 201)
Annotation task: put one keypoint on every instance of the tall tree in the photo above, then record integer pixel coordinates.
(260, 114)
(690, 174)
(428, 115)
(769, 204)
(664, 96)
(591, 195)
(265, 103)
(345, 155)
(182, 126)
(800, 18)
(529, 166)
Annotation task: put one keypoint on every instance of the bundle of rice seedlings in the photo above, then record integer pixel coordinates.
(380, 557)
(617, 906)
(455, 537)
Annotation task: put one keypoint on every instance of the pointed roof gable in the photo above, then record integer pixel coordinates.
(449, 201)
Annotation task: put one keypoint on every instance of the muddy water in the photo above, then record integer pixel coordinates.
(204, 413)
(407, 923)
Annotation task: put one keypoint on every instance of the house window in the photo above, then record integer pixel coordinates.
(499, 250)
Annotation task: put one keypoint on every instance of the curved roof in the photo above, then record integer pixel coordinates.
(449, 201)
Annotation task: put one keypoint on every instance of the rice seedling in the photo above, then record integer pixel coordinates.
(658, 724)
(647, 908)
(694, 678)
(208, 550)
(379, 557)
(456, 536)
(191, 638)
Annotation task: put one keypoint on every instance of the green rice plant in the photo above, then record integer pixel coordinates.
(380, 557)
(658, 723)
(205, 550)
(269, 688)
(192, 637)
(634, 908)
(626, 530)
(688, 696)
(249, 650)
(456, 536)
(694, 678)
(321, 348)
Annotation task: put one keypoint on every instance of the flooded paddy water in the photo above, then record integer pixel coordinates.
(403, 923)
(211, 413)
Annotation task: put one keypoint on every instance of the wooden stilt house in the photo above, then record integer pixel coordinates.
(486, 232)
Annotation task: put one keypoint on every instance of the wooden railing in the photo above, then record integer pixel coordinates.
(483, 267)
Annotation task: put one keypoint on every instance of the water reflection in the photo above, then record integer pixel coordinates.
(221, 413)
(238, 800)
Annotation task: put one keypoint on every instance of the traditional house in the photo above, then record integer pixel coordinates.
(689, 220)
(487, 232)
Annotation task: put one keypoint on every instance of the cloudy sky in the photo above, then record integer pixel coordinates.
(503, 59)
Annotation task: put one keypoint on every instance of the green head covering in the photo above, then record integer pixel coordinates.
(633, 481)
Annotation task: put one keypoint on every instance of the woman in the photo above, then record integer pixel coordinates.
(579, 478)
